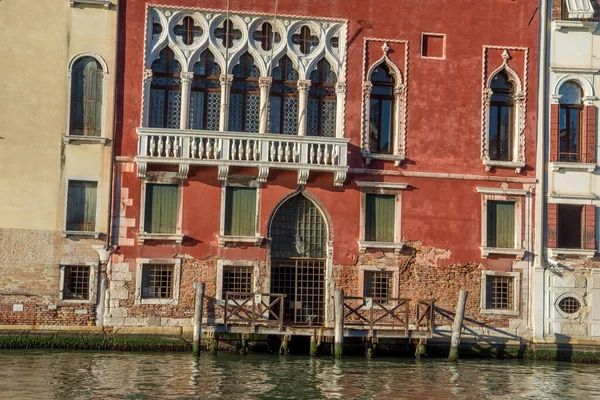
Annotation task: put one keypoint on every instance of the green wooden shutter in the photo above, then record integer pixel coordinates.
(81, 206)
(92, 98)
(501, 224)
(240, 211)
(161, 208)
(379, 217)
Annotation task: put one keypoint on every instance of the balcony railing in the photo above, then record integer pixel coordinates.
(225, 149)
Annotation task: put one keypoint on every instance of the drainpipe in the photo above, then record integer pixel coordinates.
(539, 267)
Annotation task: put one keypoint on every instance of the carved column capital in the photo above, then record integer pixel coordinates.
(264, 82)
(487, 95)
(186, 77)
(367, 87)
(340, 88)
(226, 80)
(304, 84)
(399, 89)
(147, 75)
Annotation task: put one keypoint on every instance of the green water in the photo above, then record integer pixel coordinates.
(37, 374)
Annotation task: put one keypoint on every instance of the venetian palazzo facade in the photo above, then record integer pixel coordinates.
(56, 129)
(571, 296)
(299, 149)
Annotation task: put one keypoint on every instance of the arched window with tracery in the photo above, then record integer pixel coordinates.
(165, 92)
(501, 120)
(86, 97)
(570, 122)
(381, 110)
(283, 101)
(205, 94)
(322, 101)
(244, 100)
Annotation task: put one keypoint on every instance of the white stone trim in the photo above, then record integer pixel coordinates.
(575, 166)
(578, 199)
(140, 262)
(516, 292)
(385, 268)
(519, 105)
(105, 3)
(95, 232)
(564, 315)
(224, 239)
(399, 130)
(580, 9)
(164, 178)
(518, 197)
(443, 35)
(221, 264)
(394, 189)
(103, 137)
(567, 253)
(92, 283)
(584, 78)
(442, 175)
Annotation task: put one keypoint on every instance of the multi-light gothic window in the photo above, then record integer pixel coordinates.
(570, 122)
(165, 92)
(501, 118)
(322, 101)
(284, 98)
(86, 97)
(244, 100)
(205, 94)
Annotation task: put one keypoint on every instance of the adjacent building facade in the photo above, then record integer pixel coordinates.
(56, 148)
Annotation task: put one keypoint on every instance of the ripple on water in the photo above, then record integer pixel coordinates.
(120, 375)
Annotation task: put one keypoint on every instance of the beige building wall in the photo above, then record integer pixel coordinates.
(37, 157)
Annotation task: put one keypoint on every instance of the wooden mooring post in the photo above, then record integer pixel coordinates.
(338, 306)
(198, 307)
(457, 326)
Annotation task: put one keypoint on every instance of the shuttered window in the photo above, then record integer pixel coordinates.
(161, 208)
(86, 98)
(379, 217)
(81, 206)
(240, 211)
(501, 224)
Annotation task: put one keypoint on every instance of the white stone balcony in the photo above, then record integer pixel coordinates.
(263, 151)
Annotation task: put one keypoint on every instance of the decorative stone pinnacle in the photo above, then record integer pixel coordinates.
(385, 48)
(505, 55)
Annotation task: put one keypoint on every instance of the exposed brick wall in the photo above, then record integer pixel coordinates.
(552, 225)
(29, 266)
(554, 128)
(589, 229)
(556, 9)
(589, 135)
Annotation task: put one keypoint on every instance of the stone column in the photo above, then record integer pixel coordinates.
(186, 82)
(146, 97)
(264, 83)
(225, 81)
(340, 95)
(303, 86)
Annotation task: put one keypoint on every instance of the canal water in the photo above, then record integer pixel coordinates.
(35, 374)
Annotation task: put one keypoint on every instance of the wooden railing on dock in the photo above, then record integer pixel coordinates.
(253, 309)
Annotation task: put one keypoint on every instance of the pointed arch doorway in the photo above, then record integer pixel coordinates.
(299, 243)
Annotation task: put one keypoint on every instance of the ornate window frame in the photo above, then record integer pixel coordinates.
(398, 153)
(222, 264)
(140, 263)
(102, 139)
(516, 277)
(519, 99)
(93, 266)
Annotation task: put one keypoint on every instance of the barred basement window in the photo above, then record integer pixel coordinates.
(165, 92)
(205, 94)
(244, 101)
(322, 101)
(500, 292)
(76, 282)
(157, 281)
(81, 206)
(283, 101)
(86, 97)
(161, 208)
(380, 217)
(569, 305)
(237, 279)
(378, 284)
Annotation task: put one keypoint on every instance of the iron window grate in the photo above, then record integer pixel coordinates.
(569, 305)
(157, 281)
(237, 279)
(76, 284)
(500, 290)
(379, 284)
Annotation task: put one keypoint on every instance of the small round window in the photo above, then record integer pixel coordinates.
(569, 305)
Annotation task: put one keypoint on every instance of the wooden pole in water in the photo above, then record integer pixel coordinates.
(198, 316)
(457, 326)
(338, 306)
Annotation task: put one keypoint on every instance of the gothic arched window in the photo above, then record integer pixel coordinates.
(381, 110)
(501, 118)
(244, 100)
(205, 94)
(283, 107)
(570, 121)
(165, 92)
(322, 101)
(86, 97)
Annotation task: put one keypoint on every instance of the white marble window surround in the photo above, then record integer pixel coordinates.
(93, 266)
(222, 264)
(516, 293)
(175, 282)
(330, 33)
(501, 194)
(518, 100)
(579, 9)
